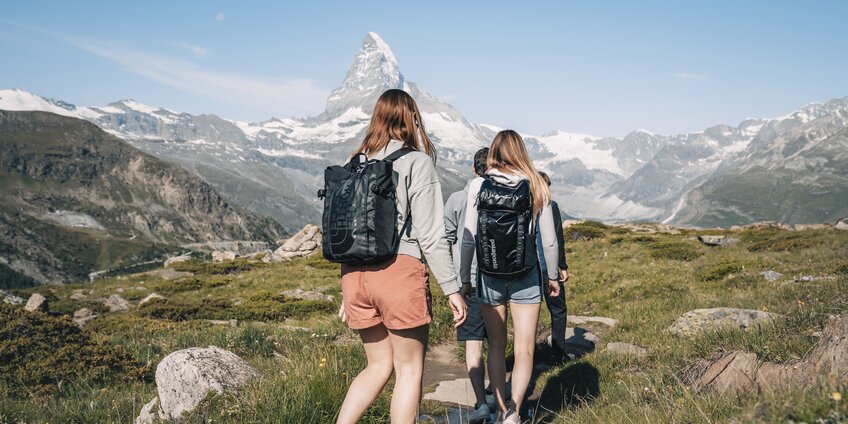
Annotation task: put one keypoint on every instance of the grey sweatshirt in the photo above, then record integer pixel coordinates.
(454, 223)
(419, 197)
(547, 227)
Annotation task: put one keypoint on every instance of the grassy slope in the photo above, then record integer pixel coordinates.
(622, 275)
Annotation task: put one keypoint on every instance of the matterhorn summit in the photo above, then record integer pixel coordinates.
(374, 70)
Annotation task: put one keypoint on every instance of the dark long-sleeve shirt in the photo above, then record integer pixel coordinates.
(560, 238)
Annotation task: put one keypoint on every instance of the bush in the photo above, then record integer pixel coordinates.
(182, 311)
(674, 250)
(260, 307)
(720, 270)
(198, 266)
(585, 231)
(783, 244)
(37, 351)
(189, 284)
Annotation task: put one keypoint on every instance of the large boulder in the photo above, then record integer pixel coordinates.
(304, 243)
(701, 320)
(36, 302)
(185, 377)
(717, 240)
(842, 224)
(83, 315)
(116, 303)
(740, 372)
(223, 256)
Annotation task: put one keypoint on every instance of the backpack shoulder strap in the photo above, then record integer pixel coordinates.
(397, 154)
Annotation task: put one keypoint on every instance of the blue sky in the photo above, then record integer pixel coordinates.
(601, 67)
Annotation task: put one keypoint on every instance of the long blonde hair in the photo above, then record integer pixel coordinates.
(396, 117)
(508, 154)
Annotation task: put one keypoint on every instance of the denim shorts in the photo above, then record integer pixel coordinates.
(525, 288)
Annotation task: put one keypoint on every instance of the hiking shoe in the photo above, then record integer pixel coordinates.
(512, 416)
(480, 415)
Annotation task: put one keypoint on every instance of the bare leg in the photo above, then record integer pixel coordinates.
(476, 372)
(495, 319)
(367, 385)
(408, 348)
(525, 317)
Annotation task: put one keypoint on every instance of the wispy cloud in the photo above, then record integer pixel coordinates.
(688, 76)
(196, 50)
(279, 97)
(220, 16)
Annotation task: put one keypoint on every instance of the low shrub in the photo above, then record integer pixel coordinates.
(783, 244)
(588, 230)
(189, 284)
(718, 271)
(260, 307)
(183, 311)
(38, 351)
(674, 250)
(198, 266)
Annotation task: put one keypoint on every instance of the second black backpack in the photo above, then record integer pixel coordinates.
(505, 246)
(360, 212)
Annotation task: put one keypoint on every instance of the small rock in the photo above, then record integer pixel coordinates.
(83, 315)
(711, 319)
(261, 255)
(626, 349)
(177, 259)
(717, 240)
(301, 294)
(734, 373)
(812, 278)
(77, 295)
(150, 413)
(36, 302)
(116, 303)
(221, 256)
(304, 243)
(842, 224)
(150, 297)
(230, 322)
(10, 298)
(771, 276)
(119, 290)
(584, 320)
(185, 377)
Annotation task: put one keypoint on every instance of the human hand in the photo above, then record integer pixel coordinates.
(342, 313)
(458, 308)
(564, 275)
(553, 288)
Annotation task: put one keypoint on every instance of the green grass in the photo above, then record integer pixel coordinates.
(306, 373)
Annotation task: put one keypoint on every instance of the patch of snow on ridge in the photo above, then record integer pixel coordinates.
(20, 100)
(139, 107)
(567, 146)
(289, 152)
(451, 133)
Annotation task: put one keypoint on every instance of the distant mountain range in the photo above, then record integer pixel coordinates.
(790, 169)
(76, 199)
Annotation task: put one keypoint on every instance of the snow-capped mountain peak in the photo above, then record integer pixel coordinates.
(373, 71)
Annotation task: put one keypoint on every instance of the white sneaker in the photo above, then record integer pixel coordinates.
(512, 417)
(480, 415)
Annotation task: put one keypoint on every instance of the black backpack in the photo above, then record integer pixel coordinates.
(505, 246)
(360, 211)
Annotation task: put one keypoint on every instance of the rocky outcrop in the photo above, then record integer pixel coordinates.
(771, 276)
(177, 259)
(185, 377)
(717, 240)
(10, 298)
(711, 319)
(36, 302)
(304, 243)
(842, 224)
(84, 315)
(223, 256)
(301, 294)
(740, 372)
(116, 303)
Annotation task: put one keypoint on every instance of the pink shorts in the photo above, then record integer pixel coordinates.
(395, 293)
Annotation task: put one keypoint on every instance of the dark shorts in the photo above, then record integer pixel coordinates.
(474, 328)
